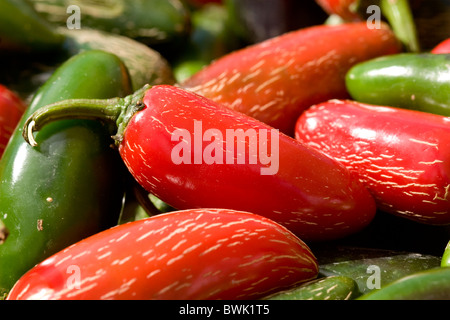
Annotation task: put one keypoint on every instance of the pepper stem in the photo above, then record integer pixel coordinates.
(399, 15)
(115, 110)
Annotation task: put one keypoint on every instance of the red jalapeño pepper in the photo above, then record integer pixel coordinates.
(277, 79)
(401, 155)
(188, 255)
(191, 152)
(11, 110)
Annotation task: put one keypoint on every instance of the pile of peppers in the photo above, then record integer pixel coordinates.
(224, 150)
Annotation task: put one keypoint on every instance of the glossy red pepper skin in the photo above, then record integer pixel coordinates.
(312, 195)
(188, 255)
(401, 155)
(11, 110)
(442, 47)
(275, 80)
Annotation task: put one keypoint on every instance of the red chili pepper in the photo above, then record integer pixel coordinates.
(189, 255)
(191, 152)
(274, 81)
(401, 155)
(346, 9)
(11, 110)
(442, 47)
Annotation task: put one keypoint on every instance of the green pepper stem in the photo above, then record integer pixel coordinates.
(115, 110)
(399, 15)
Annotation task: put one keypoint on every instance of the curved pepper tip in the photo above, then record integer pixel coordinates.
(28, 131)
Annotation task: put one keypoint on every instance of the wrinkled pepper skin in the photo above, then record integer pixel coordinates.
(276, 80)
(402, 156)
(163, 140)
(23, 29)
(11, 110)
(189, 255)
(407, 80)
(65, 190)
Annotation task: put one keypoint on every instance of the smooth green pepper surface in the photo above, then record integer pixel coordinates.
(445, 260)
(407, 80)
(68, 188)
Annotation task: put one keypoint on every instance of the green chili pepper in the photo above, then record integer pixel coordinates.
(150, 21)
(406, 80)
(69, 187)
(445, 261)
(433, 284)
(327, 288)
(23, 29)
(372, 268)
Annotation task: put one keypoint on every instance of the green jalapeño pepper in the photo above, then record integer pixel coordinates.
(431, 284)
(22, 28)
(445, 260)
(406, 80)
(149, 21)
(324, 288)
(63, 191)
